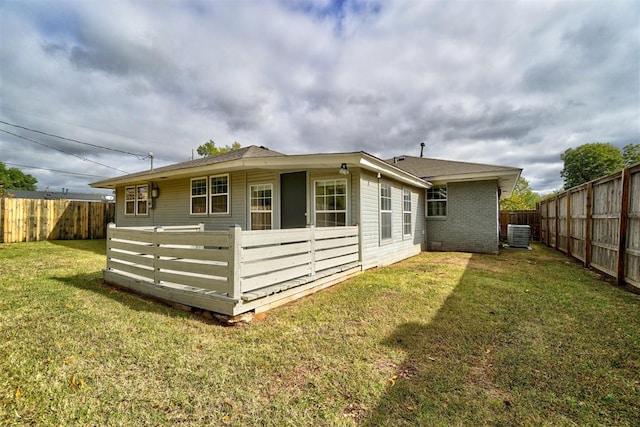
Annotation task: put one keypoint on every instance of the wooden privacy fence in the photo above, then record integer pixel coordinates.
(530, 218)
(599, 224)
(232, 264)
(25, 220)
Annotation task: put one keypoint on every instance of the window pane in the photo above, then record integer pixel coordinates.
(142, 192)
(219, 204)
(407, 223)
(130, 193)
(261, 220)
(331, 203)
(437, 208)
(199, 187)
(199, 205)
(129, 207)
(142, 207)
(385, 225)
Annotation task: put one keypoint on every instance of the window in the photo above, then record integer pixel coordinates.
(220, 194)
(262, 207)
(142, 200)
(210, 195)
(331, 203)
(406, 212)
(437, 201)
(130, 201)
(385, 211)
(136, 200)
(198, 196)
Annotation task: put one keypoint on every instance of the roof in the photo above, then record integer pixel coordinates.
(254, 157)
(52, 195)
(439, 170)
(252, 151)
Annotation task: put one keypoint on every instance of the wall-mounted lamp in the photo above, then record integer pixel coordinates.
(343, 169)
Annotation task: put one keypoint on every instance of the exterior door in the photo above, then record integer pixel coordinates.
(293, 200)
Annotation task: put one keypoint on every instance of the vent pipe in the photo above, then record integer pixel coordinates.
(422, 144)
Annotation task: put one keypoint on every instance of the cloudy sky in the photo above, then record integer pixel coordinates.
(499, 82)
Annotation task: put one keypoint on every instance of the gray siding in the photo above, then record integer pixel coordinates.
(173, 205)
(374, 251)
(471, 224)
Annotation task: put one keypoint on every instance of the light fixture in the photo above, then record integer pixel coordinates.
(343, 169)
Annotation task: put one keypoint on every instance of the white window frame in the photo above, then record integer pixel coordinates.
(205, 195)
(135, 200)
(431, 199)
(407, 192)
(251, 210)
(317, 211)
(142, 199)
(212, 194)
(385, 212)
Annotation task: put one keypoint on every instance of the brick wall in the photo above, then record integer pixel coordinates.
(471, 224)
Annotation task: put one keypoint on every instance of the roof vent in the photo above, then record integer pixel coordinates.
(518, 235)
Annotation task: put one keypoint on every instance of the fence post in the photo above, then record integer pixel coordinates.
(587, 233)
(312, 241)
(156, 253)
(235, 254)
(569, 223)
(624, 221)
(547, 231)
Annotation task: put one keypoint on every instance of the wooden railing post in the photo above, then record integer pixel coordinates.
(156, 253)
(312, 241)
(235, 254)
(110, 227)
(624, 221)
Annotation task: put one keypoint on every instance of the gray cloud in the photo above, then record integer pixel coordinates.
(512, 83)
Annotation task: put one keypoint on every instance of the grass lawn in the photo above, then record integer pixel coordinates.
(523, 338)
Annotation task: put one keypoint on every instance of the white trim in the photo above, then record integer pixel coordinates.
(205, 195)
(270, 186)
(133, 200)
(210, 193)
(410, 212)
(146, 199)
(437, 200)
(385, 211)
(346, 201)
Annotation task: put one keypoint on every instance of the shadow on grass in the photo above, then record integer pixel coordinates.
(445, 367)
(97, 246)
(92, 282)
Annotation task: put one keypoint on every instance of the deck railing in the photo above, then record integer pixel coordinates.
(229, 262)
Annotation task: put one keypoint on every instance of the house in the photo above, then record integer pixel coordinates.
(252, 228)
(463, 203)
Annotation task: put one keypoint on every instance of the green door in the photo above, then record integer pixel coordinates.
(293, 200)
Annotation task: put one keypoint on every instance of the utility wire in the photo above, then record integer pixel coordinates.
(139, 156)
(55, 170)
(62, 151)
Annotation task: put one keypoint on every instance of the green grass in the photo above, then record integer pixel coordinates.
(523, 338)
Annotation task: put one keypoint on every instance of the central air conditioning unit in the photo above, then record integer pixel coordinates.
(518, 235)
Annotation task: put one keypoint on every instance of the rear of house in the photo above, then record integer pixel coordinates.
(261, 191)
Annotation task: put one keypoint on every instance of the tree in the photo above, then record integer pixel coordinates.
(15, 179)
(588, 162)
(522, 198)
(209, 148)
(631, 154)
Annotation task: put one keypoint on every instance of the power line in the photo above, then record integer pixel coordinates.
(62, 151)
(139, 156)
(55, 170)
